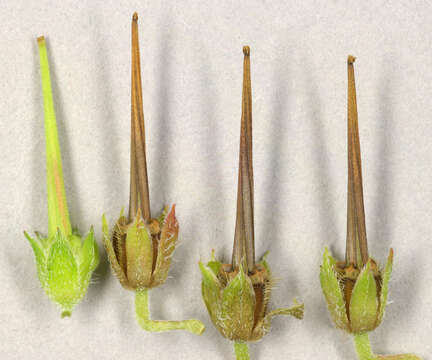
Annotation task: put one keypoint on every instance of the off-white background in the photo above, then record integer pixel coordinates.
(192, 77)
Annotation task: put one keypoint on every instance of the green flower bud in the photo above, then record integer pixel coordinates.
(237, 302)
(65, 265)
(140, 252)
(356, 298)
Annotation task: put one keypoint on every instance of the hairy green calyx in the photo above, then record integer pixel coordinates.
(237, 302)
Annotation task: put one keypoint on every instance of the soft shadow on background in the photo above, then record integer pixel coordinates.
(211, 172)
(109, 173)
(382, 225)
(159, 167)
(272, 233)
(164, 140)
(18, 266)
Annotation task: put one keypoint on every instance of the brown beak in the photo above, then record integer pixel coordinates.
(356, 242)
(139, 190)
(244, 238)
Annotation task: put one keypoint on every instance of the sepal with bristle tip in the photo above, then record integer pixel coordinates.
(332, 290)
(109, 248)
(238, 307)
(139, 254)
(214, 264)
(166, 247)
(211, 290)
(40, 256)
(364, 302)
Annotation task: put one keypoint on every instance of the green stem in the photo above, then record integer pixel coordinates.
(58, 215)
(363, 347)
(364, 351)
(241, 350)
(143, 317)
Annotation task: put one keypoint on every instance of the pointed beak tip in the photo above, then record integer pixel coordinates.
(246, 50)
(135, 16)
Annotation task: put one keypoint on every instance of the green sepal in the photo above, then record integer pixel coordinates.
(238, 307)
(264, 262)
(166, 246)
(385, 286)
(364, 302)
(211, 289)
(89, 259)
(65, 265)
(111, 254)
(333, 292)
(163, 215)
(62, 281)
(139, 250)
(40, 257)
(213, 264)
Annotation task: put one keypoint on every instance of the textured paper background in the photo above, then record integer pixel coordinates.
(192, 77)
